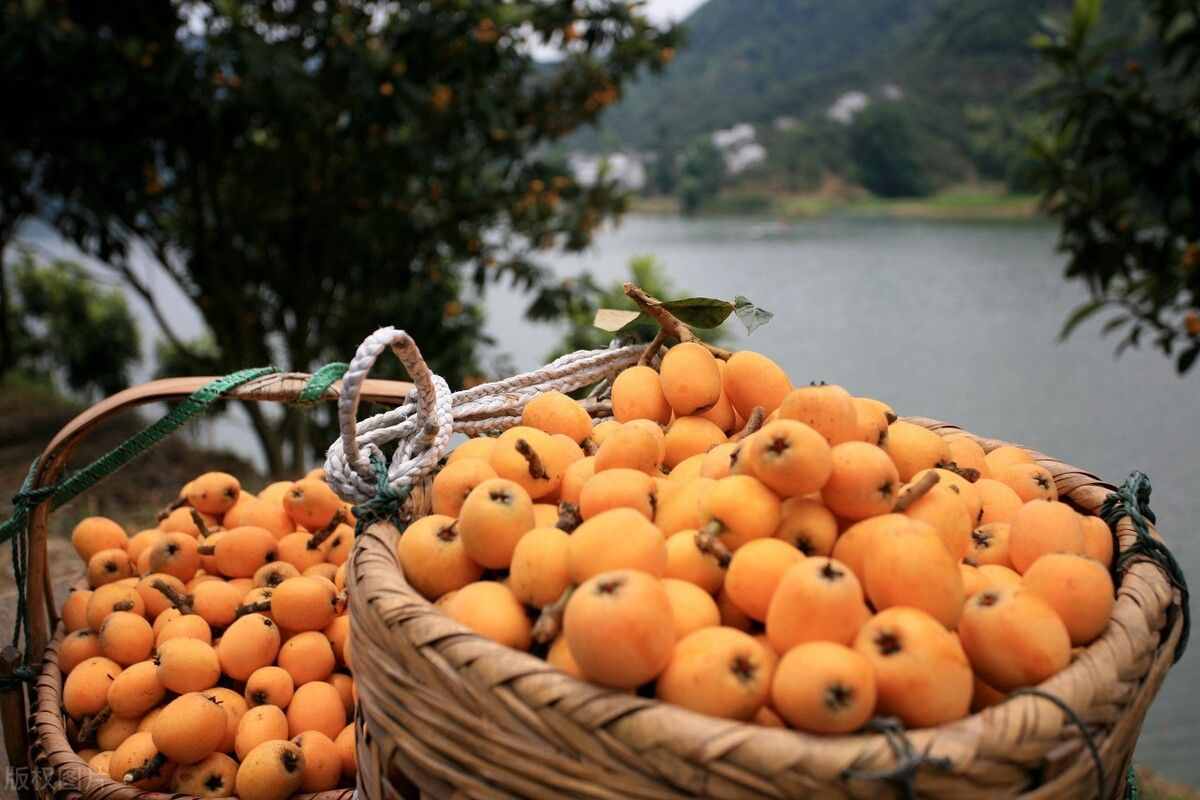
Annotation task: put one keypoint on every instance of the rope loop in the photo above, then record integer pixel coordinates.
(21, 676)
(1132, 499)
(420, 429)
(908, 760)
(1088, 739)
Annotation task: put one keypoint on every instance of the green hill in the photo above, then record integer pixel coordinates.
(757, 60)
(957, 66)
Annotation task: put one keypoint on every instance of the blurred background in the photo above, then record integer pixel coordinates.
(967, 208)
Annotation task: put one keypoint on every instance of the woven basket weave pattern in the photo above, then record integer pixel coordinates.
(461, 716)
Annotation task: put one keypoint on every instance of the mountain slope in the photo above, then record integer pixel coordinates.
(753, 61)
(757, 60)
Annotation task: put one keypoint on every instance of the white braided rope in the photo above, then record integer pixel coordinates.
(422, 426)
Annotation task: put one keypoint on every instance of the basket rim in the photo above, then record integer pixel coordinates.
(1152, 595)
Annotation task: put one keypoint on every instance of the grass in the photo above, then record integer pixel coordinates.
(965, 202)
(957, 203)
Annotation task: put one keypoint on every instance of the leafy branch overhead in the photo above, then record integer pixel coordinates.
(697, 312)
(1118, 164)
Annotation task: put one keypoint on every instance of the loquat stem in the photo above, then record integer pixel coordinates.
(87, 731)
(182, 602)
(970, 474)
(549, 622)
(318, 538)
(670, 324)
(257, 607)
(753, 423)
(149, 769)
(536, 470)
(569, 517)
(652, 349)
(178, 502)
(708, 542)
(199, 522)
(915, 492)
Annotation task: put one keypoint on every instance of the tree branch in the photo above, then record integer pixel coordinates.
(143, 291)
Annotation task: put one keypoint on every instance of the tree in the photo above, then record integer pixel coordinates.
(1118, 166)
(66, 325)
(700, 175)
(799, 155)
(662, 178)
(304, 172)
(884, 146)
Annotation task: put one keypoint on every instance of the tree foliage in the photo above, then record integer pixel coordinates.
(68, 327)
(1119, 169)
(701, 173)
(885, 148)
(306, 171)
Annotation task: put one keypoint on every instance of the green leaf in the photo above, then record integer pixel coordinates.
(1078, 316)
(1113, 324)
(615, 319)
(700, 312)
(752, 316)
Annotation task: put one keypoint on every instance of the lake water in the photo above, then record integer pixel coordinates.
(953, 321)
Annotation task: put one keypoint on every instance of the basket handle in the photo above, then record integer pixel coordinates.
(274, 387)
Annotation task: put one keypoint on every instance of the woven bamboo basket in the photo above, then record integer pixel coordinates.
(41, 758)
(445, 713)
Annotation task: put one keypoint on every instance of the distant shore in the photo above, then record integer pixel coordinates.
(980, 202)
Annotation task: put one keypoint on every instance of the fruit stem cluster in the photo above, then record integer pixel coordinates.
(670, 325)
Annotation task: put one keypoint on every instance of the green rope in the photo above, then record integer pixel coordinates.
(1071, 715)
(320, 381)
(385, 506)
(1132, 790)
(1132, 500)
(68, 489)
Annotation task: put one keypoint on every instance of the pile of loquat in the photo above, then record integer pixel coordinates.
(210, 655)
(744, 548)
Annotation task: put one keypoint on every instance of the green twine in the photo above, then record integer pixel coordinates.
(385, 505)
(1132, 790)
(908, 759)
(320, 381)
(1132, 500)
(68, 489)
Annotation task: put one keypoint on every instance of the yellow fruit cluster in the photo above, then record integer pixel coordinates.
(210, 655)
(748, 549)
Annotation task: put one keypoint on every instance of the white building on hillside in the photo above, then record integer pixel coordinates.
(739, 147)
